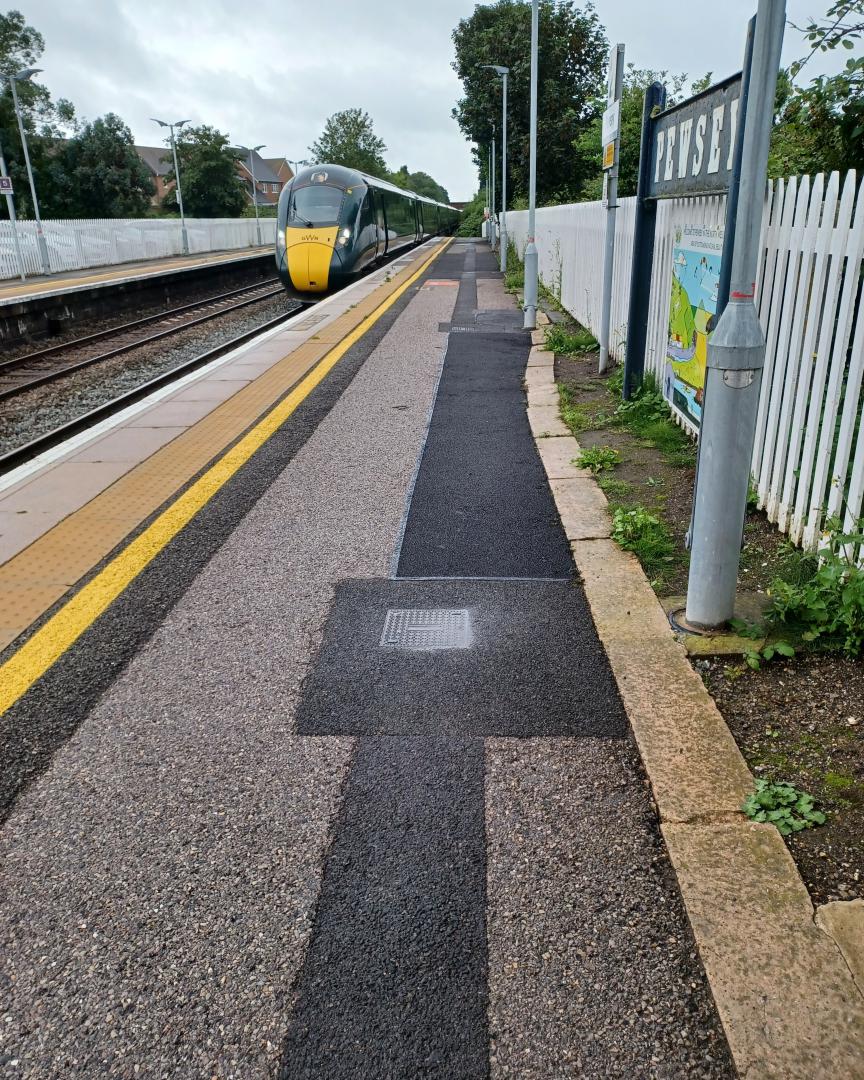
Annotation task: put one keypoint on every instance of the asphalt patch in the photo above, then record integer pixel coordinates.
(535, 666)
(394, 981)
(481, 505)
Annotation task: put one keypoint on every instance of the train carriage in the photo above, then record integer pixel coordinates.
(334, 223)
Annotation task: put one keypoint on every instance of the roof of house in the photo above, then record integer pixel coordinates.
(263, 171)
(276, 164)
(153, 156)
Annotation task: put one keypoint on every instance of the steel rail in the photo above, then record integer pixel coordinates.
(58, 373)
(26, 452)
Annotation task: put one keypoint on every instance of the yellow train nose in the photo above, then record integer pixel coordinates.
(308, 254)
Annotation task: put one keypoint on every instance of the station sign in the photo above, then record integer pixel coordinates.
(6, 185)
(693, 145)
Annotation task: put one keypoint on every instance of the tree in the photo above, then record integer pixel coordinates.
(348, 139)
(820, 127)
(572, 57)
(419, 182)
(44, 121)
(208, 174)
(98, 173)
(588, 149)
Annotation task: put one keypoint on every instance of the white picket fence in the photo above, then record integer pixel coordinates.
(808, 459)
(76, 245)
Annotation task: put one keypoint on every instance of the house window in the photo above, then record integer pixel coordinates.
(274, 187)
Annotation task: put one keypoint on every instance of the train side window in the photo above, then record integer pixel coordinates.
(366, 221)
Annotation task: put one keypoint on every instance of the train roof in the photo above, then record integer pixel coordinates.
(351, 177)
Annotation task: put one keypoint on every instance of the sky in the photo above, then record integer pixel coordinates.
(272, 71)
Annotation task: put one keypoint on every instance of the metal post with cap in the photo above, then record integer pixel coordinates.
(736, 356)
(24, 76)
(531, 256)
(177, 124)
(10, 206)
(611, 136)
(502, 228)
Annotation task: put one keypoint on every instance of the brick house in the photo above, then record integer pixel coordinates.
(271, 174)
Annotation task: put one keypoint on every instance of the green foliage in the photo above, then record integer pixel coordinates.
(598, 458)
(783, 806)
(211, 187)
(419, 182)
(754, 658)
(613, 487)
(578, 416)
(588, 148)
(99, 174)
(569, 342)
(471, 222)
(514, 279)
(572, 57)
(45, 121)
(644, 534)
(349, 139)
(826, 609)
(647, 416)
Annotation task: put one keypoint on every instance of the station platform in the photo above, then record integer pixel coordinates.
(53, 285)
(315, 765)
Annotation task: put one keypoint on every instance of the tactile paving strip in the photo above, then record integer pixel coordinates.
(427, 628)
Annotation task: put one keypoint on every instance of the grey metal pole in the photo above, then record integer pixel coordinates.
(616, 79)
(489, 194)
(40, 236)
(503, 236)
(736, 356)
(10, 206)
(183, 233)
(494, 231)
(531, 257)
(255, 196)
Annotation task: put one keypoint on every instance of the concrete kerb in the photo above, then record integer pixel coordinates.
(788, 981)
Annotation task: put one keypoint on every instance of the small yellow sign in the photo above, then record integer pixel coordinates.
(609, 155)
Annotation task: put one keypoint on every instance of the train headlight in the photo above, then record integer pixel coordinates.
(344, 237)
(280, 239)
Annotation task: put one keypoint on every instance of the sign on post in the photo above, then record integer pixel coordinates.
(693, 144)
(611, 129)
(6, 185)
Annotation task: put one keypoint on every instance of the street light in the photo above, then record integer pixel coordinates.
(24, 76)
(252, 151)
(531, 259)
(176, 124)
(10, 206)
(294, 165)
(502, 232)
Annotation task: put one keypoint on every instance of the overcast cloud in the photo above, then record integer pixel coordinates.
(272, 71)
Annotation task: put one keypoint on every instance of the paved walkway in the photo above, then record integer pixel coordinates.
(270, 843)
(71, 280)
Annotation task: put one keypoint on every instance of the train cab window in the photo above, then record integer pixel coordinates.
(316, 204)
(366, 222)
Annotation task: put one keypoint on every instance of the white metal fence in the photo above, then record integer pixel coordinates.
(76, 245)
(808, 460)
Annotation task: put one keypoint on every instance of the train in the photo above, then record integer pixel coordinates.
(333, 224)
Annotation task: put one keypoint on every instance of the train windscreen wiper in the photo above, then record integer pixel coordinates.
(292, 212)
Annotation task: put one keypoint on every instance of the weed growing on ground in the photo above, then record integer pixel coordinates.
(514, 278)
(646, 536)
(646, 415)
(784, 806)
(577, 415)
(598, 459)
(569, 342)
(614, 488)
(826, 609)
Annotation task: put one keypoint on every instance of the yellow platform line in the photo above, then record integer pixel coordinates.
(62, 630)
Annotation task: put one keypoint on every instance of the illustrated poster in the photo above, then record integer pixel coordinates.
(692, 314)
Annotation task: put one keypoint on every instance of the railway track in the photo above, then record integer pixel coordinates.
(27, 451)
(56, 361)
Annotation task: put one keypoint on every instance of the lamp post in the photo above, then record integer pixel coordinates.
(531, 259)
(23, 76)
(177, 124)
(502, 231)
(10, 206)
(296, 164)
(494, 229)
(252, 151)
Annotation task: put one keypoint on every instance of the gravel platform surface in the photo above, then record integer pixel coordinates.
(161, 876)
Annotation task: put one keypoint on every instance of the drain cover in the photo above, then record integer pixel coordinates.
(427, 628)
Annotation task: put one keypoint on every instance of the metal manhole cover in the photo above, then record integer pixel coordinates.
(427, 628)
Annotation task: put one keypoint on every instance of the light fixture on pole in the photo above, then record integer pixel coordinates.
(252, 151)
(531, 259)
(177, 124)
(10, 206)
(502, 230)
(24, 76)
(294, 165)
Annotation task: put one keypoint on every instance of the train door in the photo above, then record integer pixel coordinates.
(369, 230)
(383, 244)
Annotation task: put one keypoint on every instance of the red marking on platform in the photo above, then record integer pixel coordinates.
(442, 281)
